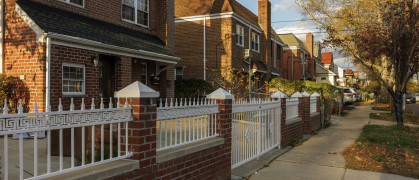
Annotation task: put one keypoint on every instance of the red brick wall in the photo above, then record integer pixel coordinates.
(23, 55)
(315, 123)
(293, 131)
(290, 57)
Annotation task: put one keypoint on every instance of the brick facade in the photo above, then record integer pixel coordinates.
(25, 57)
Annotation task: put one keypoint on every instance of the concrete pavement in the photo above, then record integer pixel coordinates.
(321, 156)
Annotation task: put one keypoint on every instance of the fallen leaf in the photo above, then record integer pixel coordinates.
(358, 158)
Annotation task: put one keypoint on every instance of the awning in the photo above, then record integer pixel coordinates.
(259, 66)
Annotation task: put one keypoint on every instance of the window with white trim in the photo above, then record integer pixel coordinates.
(323, 78)
(143, 70)
(240, 35)
(73, 79)
(179, 73)
(136, 11)
(255, 42)
(75, 2)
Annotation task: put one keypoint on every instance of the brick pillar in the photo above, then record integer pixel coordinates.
(281, 97)
(225, 118)
(142, 130)
(306, 113)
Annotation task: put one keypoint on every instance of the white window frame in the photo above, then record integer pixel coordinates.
(136, 16)
(176, 72)
(62, 78)
(74, 4)
(255, 37)
(323, 78)
(144, 73)
(240, 35)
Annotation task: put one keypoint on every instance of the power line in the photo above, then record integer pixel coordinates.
(297, 20)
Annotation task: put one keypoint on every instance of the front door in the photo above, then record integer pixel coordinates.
(107, 78)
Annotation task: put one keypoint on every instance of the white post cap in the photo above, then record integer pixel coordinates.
(315, 94)
(278, 95)
(305, 94)
(297, 95)
(220, 93)
(137, 90)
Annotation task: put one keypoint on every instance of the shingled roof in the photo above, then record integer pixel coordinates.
(327, 57)
(53, 20)
(291, 40)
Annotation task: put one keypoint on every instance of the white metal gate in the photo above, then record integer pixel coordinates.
(256, 129)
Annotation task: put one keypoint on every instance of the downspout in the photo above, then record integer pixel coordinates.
(205, 50)
(1, 37)
(292, 64)
(48, 76)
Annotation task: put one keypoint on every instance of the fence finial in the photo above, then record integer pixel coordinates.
(93, 104)
(175, 102)
(110, 103)
(101, 103)
(60, 106)
(126, 102)
(118, 104)
(35, 107)
(5, 109)
(161, 102)
(166, 103)
(72, 105)
(82, 104)
(171, 102)
(20, 108)
(181, 102)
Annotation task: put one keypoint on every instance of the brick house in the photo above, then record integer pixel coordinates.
(294, 54)
(213, 35)
(87, 48)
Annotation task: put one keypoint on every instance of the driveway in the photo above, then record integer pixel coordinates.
(321, 156)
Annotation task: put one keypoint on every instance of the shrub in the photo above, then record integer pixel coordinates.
(291, 87)
(192, 88)
(13, 89)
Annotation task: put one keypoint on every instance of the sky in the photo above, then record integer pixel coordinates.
(284, 16)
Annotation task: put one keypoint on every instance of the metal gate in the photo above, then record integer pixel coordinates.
(256, 129)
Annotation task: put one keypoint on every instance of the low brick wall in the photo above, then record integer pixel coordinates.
(315, 123)
(292, 132)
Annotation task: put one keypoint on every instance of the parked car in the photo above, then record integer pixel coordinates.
(417, 96)
(410, 97)
(347, 96)
(355, 95)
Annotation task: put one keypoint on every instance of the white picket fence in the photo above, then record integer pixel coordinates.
(256, 129)
(185, 121)
(36, 123)
(292, 108)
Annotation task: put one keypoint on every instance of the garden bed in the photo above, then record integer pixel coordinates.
(385, 149)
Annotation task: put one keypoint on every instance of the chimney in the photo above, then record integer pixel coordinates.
(311, 63)
(264, 17)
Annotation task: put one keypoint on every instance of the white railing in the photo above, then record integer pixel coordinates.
(18, 164)
(256, 129)
(292, 108)
(186, 121)
(313, 105)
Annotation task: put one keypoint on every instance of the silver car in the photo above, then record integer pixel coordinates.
(347, 96)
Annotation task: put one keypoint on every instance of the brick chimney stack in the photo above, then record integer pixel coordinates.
(311, 63)
(264, 10)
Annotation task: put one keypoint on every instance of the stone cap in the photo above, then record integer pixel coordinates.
(305, 94)
(315, 94)
(220, 93)
(137, 90)
(278, 95)
(297, 95)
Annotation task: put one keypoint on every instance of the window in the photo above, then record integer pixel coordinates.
(278, 51)
(240, 35)
(323, 78)
(73, 79)
(255, 42)
(135, 11)
(179, 73)
(144, 73)
(75, 2)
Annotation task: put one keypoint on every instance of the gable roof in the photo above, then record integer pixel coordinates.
(53, 20)
(291, 40)
(198, 7)
(327, 57)
(246, 13)
(273, 33)
(349, 72)
(324, 71)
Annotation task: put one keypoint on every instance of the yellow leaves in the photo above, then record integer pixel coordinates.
(358, 158)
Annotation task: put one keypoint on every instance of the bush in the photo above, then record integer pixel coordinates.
(192, 88)
(291, 87)
(13, 89)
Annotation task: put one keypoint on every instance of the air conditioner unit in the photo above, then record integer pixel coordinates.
(247, 54)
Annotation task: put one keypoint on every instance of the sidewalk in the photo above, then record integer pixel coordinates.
(321, 156)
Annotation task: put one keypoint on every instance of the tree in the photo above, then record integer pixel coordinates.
(382, 36)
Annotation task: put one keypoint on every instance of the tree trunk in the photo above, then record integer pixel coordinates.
(397, 97)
